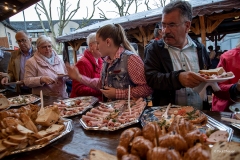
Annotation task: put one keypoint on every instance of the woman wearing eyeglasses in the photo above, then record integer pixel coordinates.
(43, 69)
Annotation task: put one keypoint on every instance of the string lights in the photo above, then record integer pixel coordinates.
(8, 7)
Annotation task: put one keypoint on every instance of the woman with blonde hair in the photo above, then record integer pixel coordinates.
(43, 69)
(121, 68)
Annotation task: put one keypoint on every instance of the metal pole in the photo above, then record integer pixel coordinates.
(25, 27)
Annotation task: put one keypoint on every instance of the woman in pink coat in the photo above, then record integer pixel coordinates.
(43, 69)
(89, 65)
(230, 89)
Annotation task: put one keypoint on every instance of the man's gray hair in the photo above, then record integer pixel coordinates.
(91, 38)
(184, 7)
(41, 39)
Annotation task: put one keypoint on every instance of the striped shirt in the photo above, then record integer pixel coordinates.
(186, 59)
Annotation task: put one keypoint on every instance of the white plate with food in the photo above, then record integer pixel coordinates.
(219, 79)
(235, 107)
(113, 115)
(23, 100)
(75, 106)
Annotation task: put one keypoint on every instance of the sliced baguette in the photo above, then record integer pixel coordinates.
(225, 151)
(2, 147)
(50, 116)
(17, 138)
(54, 128)
(9, 144)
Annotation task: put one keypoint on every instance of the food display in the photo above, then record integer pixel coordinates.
(113, 115)
(180, 138)
(23, 100)
(24, 130)
(75, 106)
(200, 121)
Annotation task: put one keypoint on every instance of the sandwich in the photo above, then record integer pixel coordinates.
(210, 72)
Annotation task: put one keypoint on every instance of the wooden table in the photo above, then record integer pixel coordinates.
(77, 144)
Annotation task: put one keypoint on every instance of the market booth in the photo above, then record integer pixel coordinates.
(211, 19)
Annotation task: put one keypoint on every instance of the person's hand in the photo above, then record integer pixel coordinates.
(238, 85)
(109, 92)
(4, 80)
(190, 79)
(73, 72)
(47, 80)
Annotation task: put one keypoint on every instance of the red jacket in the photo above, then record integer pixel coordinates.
(87, 66)
(230, 62)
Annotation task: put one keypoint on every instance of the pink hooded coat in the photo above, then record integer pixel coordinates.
(36, 67)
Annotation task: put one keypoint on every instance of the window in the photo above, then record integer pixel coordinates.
(9, 38)
(72, 29)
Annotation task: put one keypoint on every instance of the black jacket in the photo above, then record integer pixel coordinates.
(159, 71)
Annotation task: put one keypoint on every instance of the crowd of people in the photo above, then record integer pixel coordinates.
(111, 65)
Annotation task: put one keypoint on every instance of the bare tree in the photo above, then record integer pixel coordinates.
(122, 7)
(64, 16)
(157, 3)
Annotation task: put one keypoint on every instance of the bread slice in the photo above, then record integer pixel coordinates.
(225, 150)
(9, 144)
(216, 71)
(100, 155)
(50, 116)
(4, 103)
(2, 147)
(54, 128)
(217, 136)
(17, 138)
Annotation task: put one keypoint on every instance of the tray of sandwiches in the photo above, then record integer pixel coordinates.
(216, 75)
(75, 106)
(201, 121)
(113, 115)
(24, 129)
(23, 100)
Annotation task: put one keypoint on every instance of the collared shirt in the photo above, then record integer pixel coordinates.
(186, 59)
(23, 60)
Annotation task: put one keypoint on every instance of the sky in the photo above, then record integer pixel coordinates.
(108, 8)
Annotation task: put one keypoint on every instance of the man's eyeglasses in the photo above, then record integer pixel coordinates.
(171, 25)
(21, 41)
(45, 47)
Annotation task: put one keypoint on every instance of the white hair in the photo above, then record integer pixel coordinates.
(41, 39)
(91, 38)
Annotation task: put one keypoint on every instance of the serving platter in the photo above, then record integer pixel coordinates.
(149, 116)
(68, 128)
(235, 107)
(113, 115)
(75, 106)
(23, 100)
